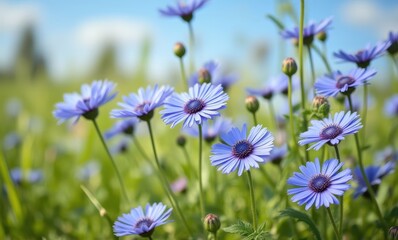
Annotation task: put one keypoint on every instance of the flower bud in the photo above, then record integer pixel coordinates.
(181, 141)
(289, 66)
(179, 49)
(320, 106)
(393, 232)
(252, 104)
(322, 36)
(204, 76)
(212, 223)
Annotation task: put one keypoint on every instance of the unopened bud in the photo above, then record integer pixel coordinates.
(212, 223)
(181, 141)
(179, 49)
(321, 106)
(289, 66)
(322, 36)
(204, 76)
(252, 104)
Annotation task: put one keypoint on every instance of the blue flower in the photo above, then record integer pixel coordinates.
(363, 57)
(391, 106)
(309, 31)
(277, 154)
(277, 85)
(211, 130)
(142, 223)
(31, 176)
(316, 185)
(331, 130)
(88, 170)
(143, 104)
(126, 126)
(121, 147)
(85, 104)
(374, 175)
(386, 155)
(393, 39)
(238, 152)
(337, 82)
(184, 10)
(217, 77)
(202, 102)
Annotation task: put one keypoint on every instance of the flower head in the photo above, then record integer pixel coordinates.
(215, 74)
(316, 185)
(278, 84)
(363, 57)
(374, 175)
(391, 106)
(184, 10)
(240, 152)
(309, 31)
(277, 154)
(202, 102)
(85, 104)
(331, 130)
(211, 129)
(393, 39)
(126, 126)
(143, 104)
(32, 176)
(337, 82)
(142, 223)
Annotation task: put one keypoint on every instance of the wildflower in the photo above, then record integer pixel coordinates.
(289, 66)
(143, 104)
(309, 31)
(374, 175)
(277, 154)
(278, 84)
(363, 57)
(121, 147)
(211, 129)
(393, 39)
(18, 176)
(238, 152)
(252, 104)
(142, 223)
(391, 106)
(126, 127)
(337, 82)
(212, 223)
(202, 102)
(320, 107)
(184, 10)
(85, 104)
(180, 185)
(331, 130)
(316, 185)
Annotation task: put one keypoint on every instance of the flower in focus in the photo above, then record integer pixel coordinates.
(363, 57)
(202, 102)
(126, 127)
(211, 129)
(184, 10)
(391, 106)
(85, 104)
(141, 222)
(143, 104)
(240, 152)
(374, 175)
(316, 185)
(309, 31)
(331, 130)
(337, 82)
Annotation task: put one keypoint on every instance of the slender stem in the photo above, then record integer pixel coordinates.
(191, 48)
(215, 235)
(139, 148)
(312, 65)
(202, 202)
(183, 76)
(336, 149)
(112, 161)
(272, 113)
(254, 119)
(186, 155)
(323, 57)
(336, 231)
(350, 103)
(291, 122)
(342, 196)
(394, 59)
(364, 112)
(165, 182)
(253, 202)
(150, 238)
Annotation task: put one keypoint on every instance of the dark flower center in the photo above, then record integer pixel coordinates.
(319, 183)
(143, 222)
(194, 106)
(331, 132)
(343, 80)
(242, 149)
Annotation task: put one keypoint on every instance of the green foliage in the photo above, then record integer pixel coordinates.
(299, 216)
(247, 231)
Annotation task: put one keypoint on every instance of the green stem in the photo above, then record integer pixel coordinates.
(112, 161)
(165, 182)
(350, 103)
(291, 122)
(336, 149)
(140, 149)
(394, 59)
(312, 65)
(183, 76)
(253, 202)
(254, 119)
(150, 238)
(191, 48)
(336, 231)
(202, 202)
(272, 114)
(186, 155)
(215, 235)
(323, 57)
(342, 196)
(364, 112)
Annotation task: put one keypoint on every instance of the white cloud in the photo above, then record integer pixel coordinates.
(15, 16)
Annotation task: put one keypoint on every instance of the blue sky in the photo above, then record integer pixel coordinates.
(71, 32)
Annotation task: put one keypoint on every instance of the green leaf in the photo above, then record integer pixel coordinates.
(289, 212)
(241, 227)
(278, 23)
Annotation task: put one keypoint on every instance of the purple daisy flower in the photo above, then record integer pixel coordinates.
(374, 175)
(277, 154)
(142, 223)
(211, 129)
(240, 152)
(337, 82)
(316, 185)
(363, 57)
(202, 102)
(183, 9)
(309, 32)
(143, 104)
(393, 39)
(216, 75)
(121, 147)
(391, 106)
(85, 104)
(386, 155)
(331, 130)
(126, 126)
